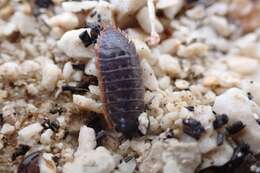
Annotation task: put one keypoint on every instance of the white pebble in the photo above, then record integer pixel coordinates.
(51, 73)
(29, 131)
(127, 167)
(242, 65)
(182, 84)
(25, 24)
(220, 24)
(73, 47)
(143, 123)
(94, 89)
(169, 65)
(86, 103)
(66, 21)
(46, 136)
(142, 49)
(149, 77)
(87, 140)
(7, 129)
(67, 71)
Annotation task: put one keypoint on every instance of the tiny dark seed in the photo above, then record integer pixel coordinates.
(220, 121)
(249, 95)
(99, 18)
(190, 108)
(20, 150)
(220, 139)
(235, 127)
(85, 38)
(193, 128)
(44, 3)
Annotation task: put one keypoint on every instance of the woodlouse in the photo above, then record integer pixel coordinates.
(120, 81)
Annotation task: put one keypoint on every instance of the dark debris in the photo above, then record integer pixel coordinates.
(44, 3)
(193, 128)
(235, 127)
(220, 139)
(220, 121)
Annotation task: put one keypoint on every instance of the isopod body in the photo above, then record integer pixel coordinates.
(120, 81)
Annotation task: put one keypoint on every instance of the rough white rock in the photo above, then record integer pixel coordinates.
(10, 70)
(66, 21)
(28, 132)
(90, 68)
(86, 103)
(235, 103)
(164, 82)
(73, 47)
(218, 156)
(87, 140)
(94, 89)
(242, 65)
(29, 68)
(46, 136)
(149, 77)
(169, 64)
(7, 129)
(127, 167)
(106, 12)
(163, 156)
(25, 24)
(87, 159)
(51, 73)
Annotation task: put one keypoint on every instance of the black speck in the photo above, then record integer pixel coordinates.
(220, 121)
(93, 14)
(99, 18)
(44, 3)
(85, 38)
(190, 108)
(193, 128)
(1, 120)
(258, 121)
(220, 139)
(80, 67)
(249, 95)
(235, 127)
(20, 150)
